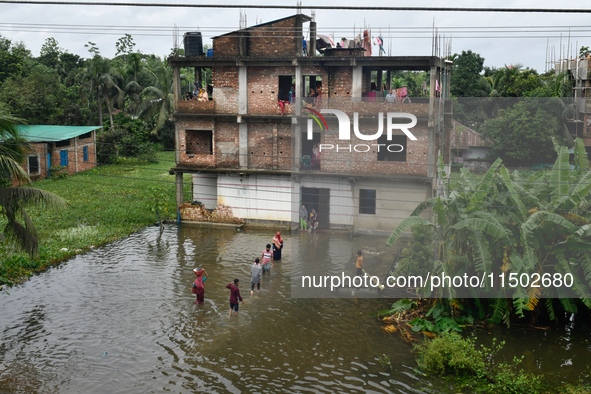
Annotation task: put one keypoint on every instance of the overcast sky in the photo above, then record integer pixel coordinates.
(529, 39)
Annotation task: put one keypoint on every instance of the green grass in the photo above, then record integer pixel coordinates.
(105, 204)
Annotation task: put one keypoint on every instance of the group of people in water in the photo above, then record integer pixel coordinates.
(261, 265)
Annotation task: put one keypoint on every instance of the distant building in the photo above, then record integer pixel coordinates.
(262, 145)
(580, 71)
(72, 148)
(469, 148)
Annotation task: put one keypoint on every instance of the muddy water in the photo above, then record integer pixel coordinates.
(121, 319)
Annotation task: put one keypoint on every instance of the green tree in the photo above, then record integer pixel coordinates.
(465, 75)
(38, 96)
(103, 82)
(12, 58)
(50, 53)
(158, 101)
(522, 134)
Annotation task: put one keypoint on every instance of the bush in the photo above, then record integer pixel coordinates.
(417, 258)
(128, 138)
(58, 172)
(475, 366)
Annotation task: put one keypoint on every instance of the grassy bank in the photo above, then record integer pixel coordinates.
(105, 204)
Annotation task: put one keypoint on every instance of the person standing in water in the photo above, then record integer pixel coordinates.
(234, 297)
(198, 287)
(277, 246)
(267, 259)
(303, 218)
(256, 273)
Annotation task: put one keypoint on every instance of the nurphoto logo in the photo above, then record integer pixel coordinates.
(345, 130)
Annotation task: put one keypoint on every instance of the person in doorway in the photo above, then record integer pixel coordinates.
(234, 297)
(277, 246)
(316, 157)
(198, 288)
(256, 273)
(313, 220)
(267, 259)
(303, 218)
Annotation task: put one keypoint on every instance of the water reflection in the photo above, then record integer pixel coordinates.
(122, 319)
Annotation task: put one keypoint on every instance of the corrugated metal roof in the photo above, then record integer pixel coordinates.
(47, 133)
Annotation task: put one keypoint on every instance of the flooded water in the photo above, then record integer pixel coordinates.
(121, 319)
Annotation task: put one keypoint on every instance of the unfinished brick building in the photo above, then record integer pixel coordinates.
(262, 146)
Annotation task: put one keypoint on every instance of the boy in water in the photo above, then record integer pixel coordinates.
(267, 259)
(359, 263)
(234, 297)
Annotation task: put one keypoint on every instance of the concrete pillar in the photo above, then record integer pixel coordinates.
(179, 189)
(176, 87)
(242, 90)
(295, 122)
(243, 145)
(242, 110)
(312, 49)
(356, 88)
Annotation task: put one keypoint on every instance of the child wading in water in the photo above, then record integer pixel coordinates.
(234, 297)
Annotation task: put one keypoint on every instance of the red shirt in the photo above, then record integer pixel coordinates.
(234, 293)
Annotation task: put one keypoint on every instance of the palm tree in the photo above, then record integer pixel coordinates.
(14, 199)
(103, 81)
(158, 100)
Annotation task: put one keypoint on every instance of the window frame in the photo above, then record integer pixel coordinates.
(365, 208)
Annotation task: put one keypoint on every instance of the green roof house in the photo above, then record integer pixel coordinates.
(72, 148)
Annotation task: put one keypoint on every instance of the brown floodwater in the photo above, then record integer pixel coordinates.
(121, 319)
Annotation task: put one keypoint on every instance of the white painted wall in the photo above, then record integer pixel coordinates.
(278, 198)
(262, 197)
(395, 201)
(205, 189)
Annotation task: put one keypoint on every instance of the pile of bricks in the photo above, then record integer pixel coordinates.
(198, 213)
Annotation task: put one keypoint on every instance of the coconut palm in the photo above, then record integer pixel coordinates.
(158, 100)
(14, 199)
(104, 85)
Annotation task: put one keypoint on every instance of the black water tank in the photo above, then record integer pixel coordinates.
(193, 43)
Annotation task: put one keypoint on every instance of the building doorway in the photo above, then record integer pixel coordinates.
(319, 199)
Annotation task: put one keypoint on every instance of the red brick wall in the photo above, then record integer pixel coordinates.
(225, 90)
(76, 156)
(270, 41)
(225, 77)
(269, 146)
(274, 41)
(40, 150)
(263, 89)
(226, 140)
(195, 124)
(367, 163)
(340, 82)
(227, 46)
(91, 162)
